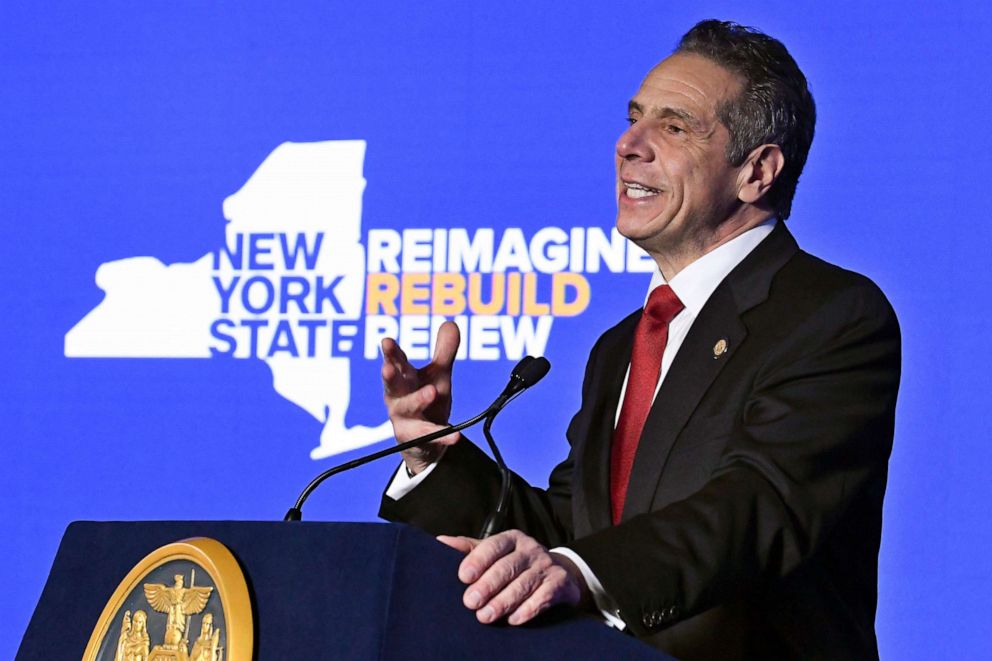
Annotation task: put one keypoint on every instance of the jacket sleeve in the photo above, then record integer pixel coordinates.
(816, 436)
(458, 495)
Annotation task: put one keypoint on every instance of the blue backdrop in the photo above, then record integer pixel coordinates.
(125, 129)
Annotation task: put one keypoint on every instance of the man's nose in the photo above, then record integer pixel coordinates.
(632, 144)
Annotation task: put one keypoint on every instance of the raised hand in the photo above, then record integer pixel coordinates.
(418, 401)
(512, 575)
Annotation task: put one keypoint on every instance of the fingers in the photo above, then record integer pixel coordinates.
(500, 581)
(510, 574)
(538, 587)
(510, 598)
(392, 352)
(413, 404)
(399, 378)
(554, 589)
(486, 553)
(505, 586)
(445, 348)
(463, 544)
(408, 413)
(418, 401)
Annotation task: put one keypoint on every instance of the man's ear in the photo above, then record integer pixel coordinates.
(760, 170)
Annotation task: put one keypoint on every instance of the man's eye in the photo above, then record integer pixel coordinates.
(631, 120)
(674, 129)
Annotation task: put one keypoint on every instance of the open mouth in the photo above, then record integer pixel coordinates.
(635, 190)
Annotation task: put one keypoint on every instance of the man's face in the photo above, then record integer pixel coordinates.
(674, 183)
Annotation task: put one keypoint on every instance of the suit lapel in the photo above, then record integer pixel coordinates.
(688, 379)
(695, 367)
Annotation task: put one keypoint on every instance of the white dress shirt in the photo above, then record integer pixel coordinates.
(693, 285)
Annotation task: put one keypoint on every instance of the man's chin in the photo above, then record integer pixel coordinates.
(637, 228)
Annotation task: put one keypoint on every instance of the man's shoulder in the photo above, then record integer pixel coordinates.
(812, 303)
(808, 279)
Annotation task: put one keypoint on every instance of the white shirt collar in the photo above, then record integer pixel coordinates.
(695, 283)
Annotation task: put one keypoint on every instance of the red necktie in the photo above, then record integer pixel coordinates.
(650, 339)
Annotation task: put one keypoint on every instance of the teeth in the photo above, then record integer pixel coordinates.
(635, 190)
(639, 192)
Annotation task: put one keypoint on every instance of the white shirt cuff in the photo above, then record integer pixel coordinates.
(604, 602)
(403, 484)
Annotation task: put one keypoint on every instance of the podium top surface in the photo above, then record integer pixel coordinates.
(319, 590)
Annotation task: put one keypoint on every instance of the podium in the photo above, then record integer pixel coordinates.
(319, 591)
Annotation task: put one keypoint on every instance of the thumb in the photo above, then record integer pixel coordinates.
(446, 346)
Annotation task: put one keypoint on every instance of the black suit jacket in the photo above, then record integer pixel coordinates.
(753, 517)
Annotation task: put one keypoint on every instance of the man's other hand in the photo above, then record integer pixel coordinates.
(418, 401)
(511, 575)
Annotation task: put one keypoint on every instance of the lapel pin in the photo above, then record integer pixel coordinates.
(720, 347)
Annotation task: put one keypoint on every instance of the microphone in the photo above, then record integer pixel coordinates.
(526, 373)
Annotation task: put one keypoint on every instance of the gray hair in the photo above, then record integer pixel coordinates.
(774, 106)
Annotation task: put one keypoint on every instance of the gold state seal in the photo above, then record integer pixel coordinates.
(176, 591)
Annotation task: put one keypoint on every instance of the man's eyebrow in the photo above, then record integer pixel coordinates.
(666, 111)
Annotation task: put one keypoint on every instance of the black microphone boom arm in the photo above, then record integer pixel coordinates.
(526, 373)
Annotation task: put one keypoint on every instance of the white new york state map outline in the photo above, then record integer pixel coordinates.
(154, 310)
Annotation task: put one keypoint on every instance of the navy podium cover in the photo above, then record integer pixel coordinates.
(320, 591)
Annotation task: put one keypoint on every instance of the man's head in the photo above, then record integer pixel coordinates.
(719, 134)
(775, 105)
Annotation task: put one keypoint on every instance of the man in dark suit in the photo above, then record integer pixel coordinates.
(722, 497)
